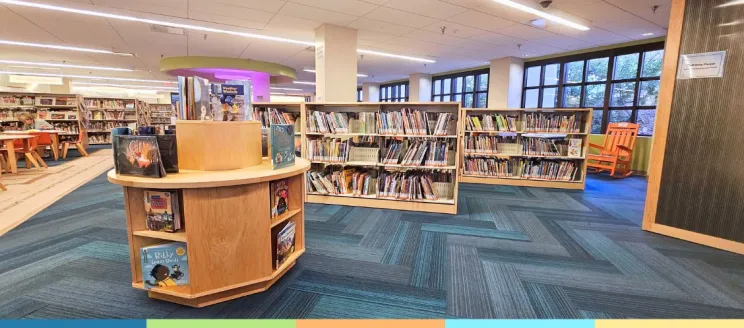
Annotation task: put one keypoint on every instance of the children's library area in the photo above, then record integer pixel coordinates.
(364, 160)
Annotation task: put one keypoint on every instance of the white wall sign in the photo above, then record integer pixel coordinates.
(703, 65)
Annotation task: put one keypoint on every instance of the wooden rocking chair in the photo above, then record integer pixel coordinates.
(617, 152)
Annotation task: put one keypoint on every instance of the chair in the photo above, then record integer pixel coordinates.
(77, 143)
(44, 139)
(28, 149)
(2, 167)
(617, 152)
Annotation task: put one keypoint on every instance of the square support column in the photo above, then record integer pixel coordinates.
(335, 63)
(419, 85)
(505, 83)
(370, 92)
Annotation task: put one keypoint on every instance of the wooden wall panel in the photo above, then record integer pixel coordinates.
(702, 182)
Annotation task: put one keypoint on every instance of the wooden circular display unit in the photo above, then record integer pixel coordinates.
(227, 227)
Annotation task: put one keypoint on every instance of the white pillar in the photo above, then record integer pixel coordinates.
(335, 63)
(419, 87)
(505, 83)
(370, 92)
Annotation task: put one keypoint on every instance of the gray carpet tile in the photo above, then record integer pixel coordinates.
(509, 252)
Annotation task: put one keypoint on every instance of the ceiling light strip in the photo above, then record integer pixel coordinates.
(123, 85)
(90, 77)
(313, 71)
(304, 82)
(196, 28)
(102, 68)
(287, 89)
(53, 46)
(543, 14)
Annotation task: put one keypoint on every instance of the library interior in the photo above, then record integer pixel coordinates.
(373, 159)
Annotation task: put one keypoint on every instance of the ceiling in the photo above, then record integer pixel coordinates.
(475, 31)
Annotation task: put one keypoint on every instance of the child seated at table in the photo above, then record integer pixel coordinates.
(31, 123)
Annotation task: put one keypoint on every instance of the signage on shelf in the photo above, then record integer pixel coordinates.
(702, 65)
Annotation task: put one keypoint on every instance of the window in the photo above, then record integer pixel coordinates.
(394, 92)
(468, 88)
(359, 94)
(622, 85)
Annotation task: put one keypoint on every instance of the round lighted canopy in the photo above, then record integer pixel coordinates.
(222, 69)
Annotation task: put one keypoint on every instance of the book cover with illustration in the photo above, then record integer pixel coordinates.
(279, 197)
(162, 210)
(574, 147)
(282, 144)
(138, 155)
(285, 240)
(164, 265)
(228, 102)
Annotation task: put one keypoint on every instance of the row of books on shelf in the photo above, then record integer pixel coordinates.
(332, 150)
(44, 114)
(333, 122)
(270, 116)
(544, 169)
(113, 115)
(484, 144)
(417, 152)
(16, 100)
(492, 122)
(415, 122)
(68, 127)
(106, 126)
(409, 185)
(110, 103)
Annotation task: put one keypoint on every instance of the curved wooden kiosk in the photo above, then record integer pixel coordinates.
(227, 227)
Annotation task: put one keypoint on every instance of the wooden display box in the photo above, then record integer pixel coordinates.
(218, 146)
(227, 227)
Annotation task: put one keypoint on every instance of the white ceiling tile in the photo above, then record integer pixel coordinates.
(371, 36)
(395, 16)
(265, 5)
(313, 13)
(471, 4)
(480, 20)
(496, 38)
(525, 32)
(643, 9)
(453, 29)
(216, 45)
(505, 12)
(227, 14)
(271, 51)
(563, 42)
(429, 8)
(288, 22)
(351, 7)
(16, 28)
(175, 8)
(380, 27)
(540, 48)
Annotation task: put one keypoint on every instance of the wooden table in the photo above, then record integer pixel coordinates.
(53, 134)
(8, 140)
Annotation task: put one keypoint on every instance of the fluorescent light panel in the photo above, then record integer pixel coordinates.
(52, 46)
(90, 77)
(103, 68)
(304, 82)
(123, 85)
(194, 27)
(287, 89)
(552, 18)
(313, 71)
(732, 3)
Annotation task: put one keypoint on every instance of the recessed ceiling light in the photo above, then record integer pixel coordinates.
(195, 27)
(52, 46)
(304, 82)
(90, 77)
(287, 89)
(103, 68)
(313, 71)
(648, 34)
(75, 83)
(550, 17)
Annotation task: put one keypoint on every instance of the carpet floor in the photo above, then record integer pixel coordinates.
(509, 253)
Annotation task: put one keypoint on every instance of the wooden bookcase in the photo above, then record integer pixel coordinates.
(579, 180)
(157, 114)
(294, 108)
(43, 105)
(447, 202)
(99, 111)
(227, 224)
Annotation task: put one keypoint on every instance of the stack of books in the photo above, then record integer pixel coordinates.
(321, 122)
(330, 150)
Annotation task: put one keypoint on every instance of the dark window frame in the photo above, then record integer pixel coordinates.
(394, 95)
(359, 94)
(612, 55)
(452, 93)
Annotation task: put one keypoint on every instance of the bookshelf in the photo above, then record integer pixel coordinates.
(504, 142)
(226, 213)
(376, 155)
(158, 114)
(63, 111)
(261, 111)
(105, 113)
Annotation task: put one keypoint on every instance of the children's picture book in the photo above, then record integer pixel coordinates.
(279, 197)
(228, 102)
(138, 155)
(162, 210)
(168, 152)
(574, 147)
(285, 243)
(282, 144)
(164, 265)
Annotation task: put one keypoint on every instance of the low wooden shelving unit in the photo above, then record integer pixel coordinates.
(512, 151)
(446, 192)
(227, 224)
(105, 113)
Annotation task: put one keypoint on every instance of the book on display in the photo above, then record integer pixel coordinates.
(162, 210)
(279, 190)
(138, 155)
(285, 243)
(164, 265)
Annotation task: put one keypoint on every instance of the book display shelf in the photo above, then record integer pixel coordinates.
(105, 114)
(525, 147)
(227, 225)
(399, 156)
(157, 114)
(61, 110)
